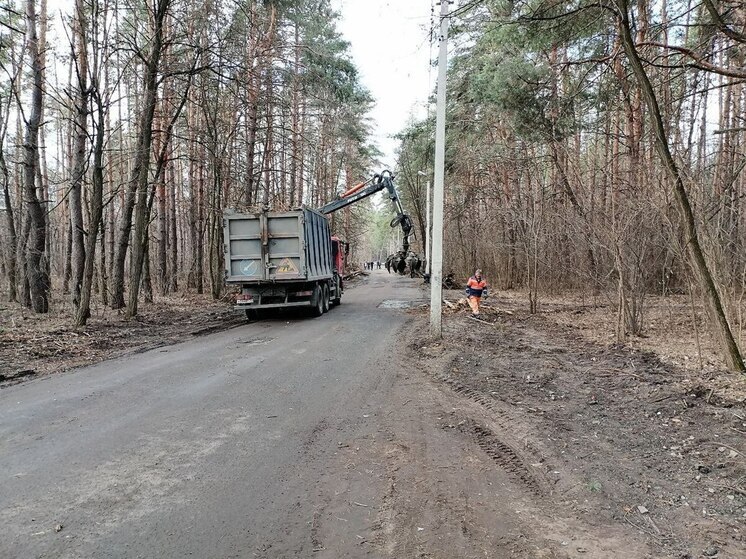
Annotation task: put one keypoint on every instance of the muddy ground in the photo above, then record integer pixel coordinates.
(33, 345)
(612, 451)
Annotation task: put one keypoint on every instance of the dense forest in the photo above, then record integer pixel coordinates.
(591, 147)
(123, 140)
(597, 147)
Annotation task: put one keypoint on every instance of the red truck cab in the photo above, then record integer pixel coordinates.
(340, 249)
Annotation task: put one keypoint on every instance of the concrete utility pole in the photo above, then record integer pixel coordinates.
(436, 279)
(428, 270)
(427, 232)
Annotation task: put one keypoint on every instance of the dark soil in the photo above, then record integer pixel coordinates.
(33, 345)
(606, 436)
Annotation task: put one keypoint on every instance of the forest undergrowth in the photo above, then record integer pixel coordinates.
(635, 437)
(33, 345)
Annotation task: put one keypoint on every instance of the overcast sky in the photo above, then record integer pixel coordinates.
(390, 46)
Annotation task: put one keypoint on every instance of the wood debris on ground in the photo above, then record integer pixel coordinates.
(462, 304)
(354, 274)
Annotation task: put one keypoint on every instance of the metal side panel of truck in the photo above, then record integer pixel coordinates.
(277, 247)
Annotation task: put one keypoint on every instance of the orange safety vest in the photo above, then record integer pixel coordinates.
(475, 287)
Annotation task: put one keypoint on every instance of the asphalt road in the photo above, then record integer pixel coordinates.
(213, 448)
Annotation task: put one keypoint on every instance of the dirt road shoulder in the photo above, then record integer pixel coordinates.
(608, 452)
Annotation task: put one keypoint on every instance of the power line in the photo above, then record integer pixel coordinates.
(465, 8)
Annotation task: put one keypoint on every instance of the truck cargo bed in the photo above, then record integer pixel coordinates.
(287, 246)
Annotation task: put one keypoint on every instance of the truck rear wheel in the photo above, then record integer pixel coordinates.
(317, 301)
(326, 297)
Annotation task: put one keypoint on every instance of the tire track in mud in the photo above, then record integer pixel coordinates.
(517, 399)
(501, 442)
(384, 526)
(464, 390)
(504, 419)
(504, 456)
(494, 446)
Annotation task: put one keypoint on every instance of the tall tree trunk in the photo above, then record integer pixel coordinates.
(67, 258)
(301, 157)
(729, 348)
(36, 270)
(103, 270)
(252, 124)
(193, 196)
(83, 311)
(200, 252)
(162, 266)
(80, 156)
(174, 256)
(268, 142)
(124, 227)
(42, 176)
(137, 190)
(147, 283)
(162, 254)
(294, 118)
(12, 235)
(215, 240)
(22, 259)
(253, 73)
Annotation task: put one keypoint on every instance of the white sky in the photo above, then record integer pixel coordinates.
(390, 46)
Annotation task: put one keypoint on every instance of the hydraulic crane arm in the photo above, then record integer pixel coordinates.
(379, 182)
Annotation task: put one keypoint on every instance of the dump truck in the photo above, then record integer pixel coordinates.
(283, 259)
(290, 258)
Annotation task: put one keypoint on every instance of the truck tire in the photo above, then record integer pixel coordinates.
(327, 305)
(317, 301)
(252, 315)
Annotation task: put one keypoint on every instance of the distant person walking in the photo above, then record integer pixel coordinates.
(476, 287)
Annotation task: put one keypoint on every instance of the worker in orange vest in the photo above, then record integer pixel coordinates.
(475, 288)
